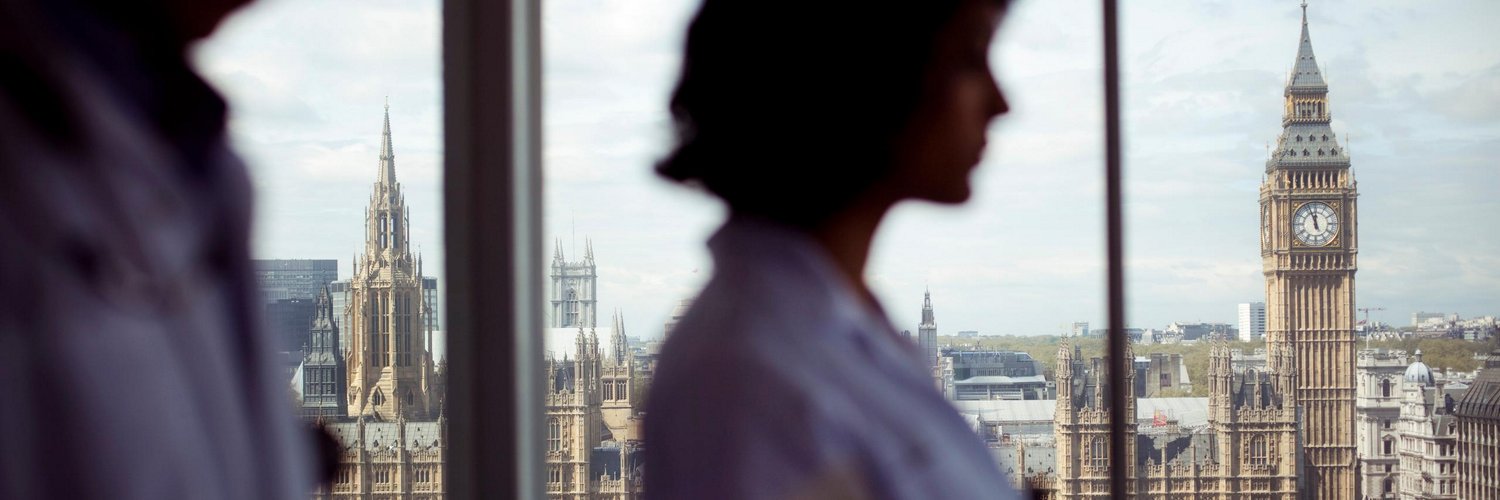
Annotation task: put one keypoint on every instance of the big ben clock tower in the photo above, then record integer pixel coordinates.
(1309, 246)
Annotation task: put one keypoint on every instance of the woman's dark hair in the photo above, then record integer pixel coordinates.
(786, 108)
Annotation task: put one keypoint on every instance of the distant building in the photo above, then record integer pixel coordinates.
(1377, 415)
(1193, 332)
(1080, 329)
(927, 331)
(1252, 317)
(288, 321)
(391, 434)
(968, 334)
(1478, 418)
(323, 370)
(1160, 372)
(1428, 445)
(1420, 317)
(1247, 445)
(979, 375)
(574, 289)
(293, 278)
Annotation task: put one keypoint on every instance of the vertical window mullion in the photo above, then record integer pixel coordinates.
(1114, 207)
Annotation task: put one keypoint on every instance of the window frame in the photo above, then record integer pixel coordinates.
(492, 212)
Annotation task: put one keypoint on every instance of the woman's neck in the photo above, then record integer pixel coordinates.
(847, 237)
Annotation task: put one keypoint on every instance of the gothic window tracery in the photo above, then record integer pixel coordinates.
(554, 434)
(1098, 453)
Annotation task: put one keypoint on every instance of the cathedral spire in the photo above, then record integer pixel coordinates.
(927, 316)
(619, 347)
(387, 153)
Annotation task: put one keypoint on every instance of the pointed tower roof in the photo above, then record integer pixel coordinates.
(387, 153)
(1305, 72)
(928, 319)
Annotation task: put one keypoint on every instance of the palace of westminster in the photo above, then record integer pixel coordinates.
(1305, 417)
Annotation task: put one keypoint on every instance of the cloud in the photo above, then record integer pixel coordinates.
(1417, 88)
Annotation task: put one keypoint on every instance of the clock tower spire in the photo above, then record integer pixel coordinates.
(1309, 246)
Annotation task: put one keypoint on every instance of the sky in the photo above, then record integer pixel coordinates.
(1414, 90)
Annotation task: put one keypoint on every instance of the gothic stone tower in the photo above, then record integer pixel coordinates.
(573, 293)
(1308, 250)
(1081, 424)
(927, 331)
(1253, 414)
(390, 362)
(323, 364)
(573, 418)
(618, 394)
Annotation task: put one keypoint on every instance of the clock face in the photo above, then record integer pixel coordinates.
(1315, 224)
(1265, 225)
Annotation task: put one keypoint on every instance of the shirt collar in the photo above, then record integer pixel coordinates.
(759, 244)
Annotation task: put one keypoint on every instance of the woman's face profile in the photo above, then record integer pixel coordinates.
(945, 137)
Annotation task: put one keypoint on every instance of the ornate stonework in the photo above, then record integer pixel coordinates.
(391, 437)
(1248, 451)
(1309, 247)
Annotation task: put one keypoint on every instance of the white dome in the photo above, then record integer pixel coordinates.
(1419, 373)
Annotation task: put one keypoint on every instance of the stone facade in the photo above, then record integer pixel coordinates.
(573, 289)
(1428, 446)
(1377, 420)
(1309, 245)
(1247, 451)
(593, 422)
(1478, 416)
(391, 435)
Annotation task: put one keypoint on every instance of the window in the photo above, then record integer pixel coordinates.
(1166, 259)
(1386, 445)
(1385, 391)
(1098, 453)
(1258, 454)
(554, 434)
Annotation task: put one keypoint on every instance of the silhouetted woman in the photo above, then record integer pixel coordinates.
(810, 119)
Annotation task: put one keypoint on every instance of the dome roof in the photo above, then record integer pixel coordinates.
(1419, 373)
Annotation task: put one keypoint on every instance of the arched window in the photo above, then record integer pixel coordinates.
(1320, 151)
(570, 308)
(1388, 485)
(1305, 153)
(1325, 137)
(1387, 445)
(1299, 138)
(1258, 454)
(1385, 388)
(1098, 453)
(554, 434)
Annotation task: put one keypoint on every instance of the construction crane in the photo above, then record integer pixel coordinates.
(1367, 310)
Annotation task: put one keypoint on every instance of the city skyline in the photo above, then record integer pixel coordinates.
(1202, 84)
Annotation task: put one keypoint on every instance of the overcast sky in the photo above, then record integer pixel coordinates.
(1415, 91)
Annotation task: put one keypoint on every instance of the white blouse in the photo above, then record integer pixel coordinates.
(781, 382)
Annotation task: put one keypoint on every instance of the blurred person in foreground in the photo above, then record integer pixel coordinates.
(811, 120)
(131, 366)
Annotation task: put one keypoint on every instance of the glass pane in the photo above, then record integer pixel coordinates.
(992, 291)
(1298, 188)
(336, 107)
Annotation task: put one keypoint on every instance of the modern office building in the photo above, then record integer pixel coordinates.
(280, 279)
(1252, 321)
(970, 375)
